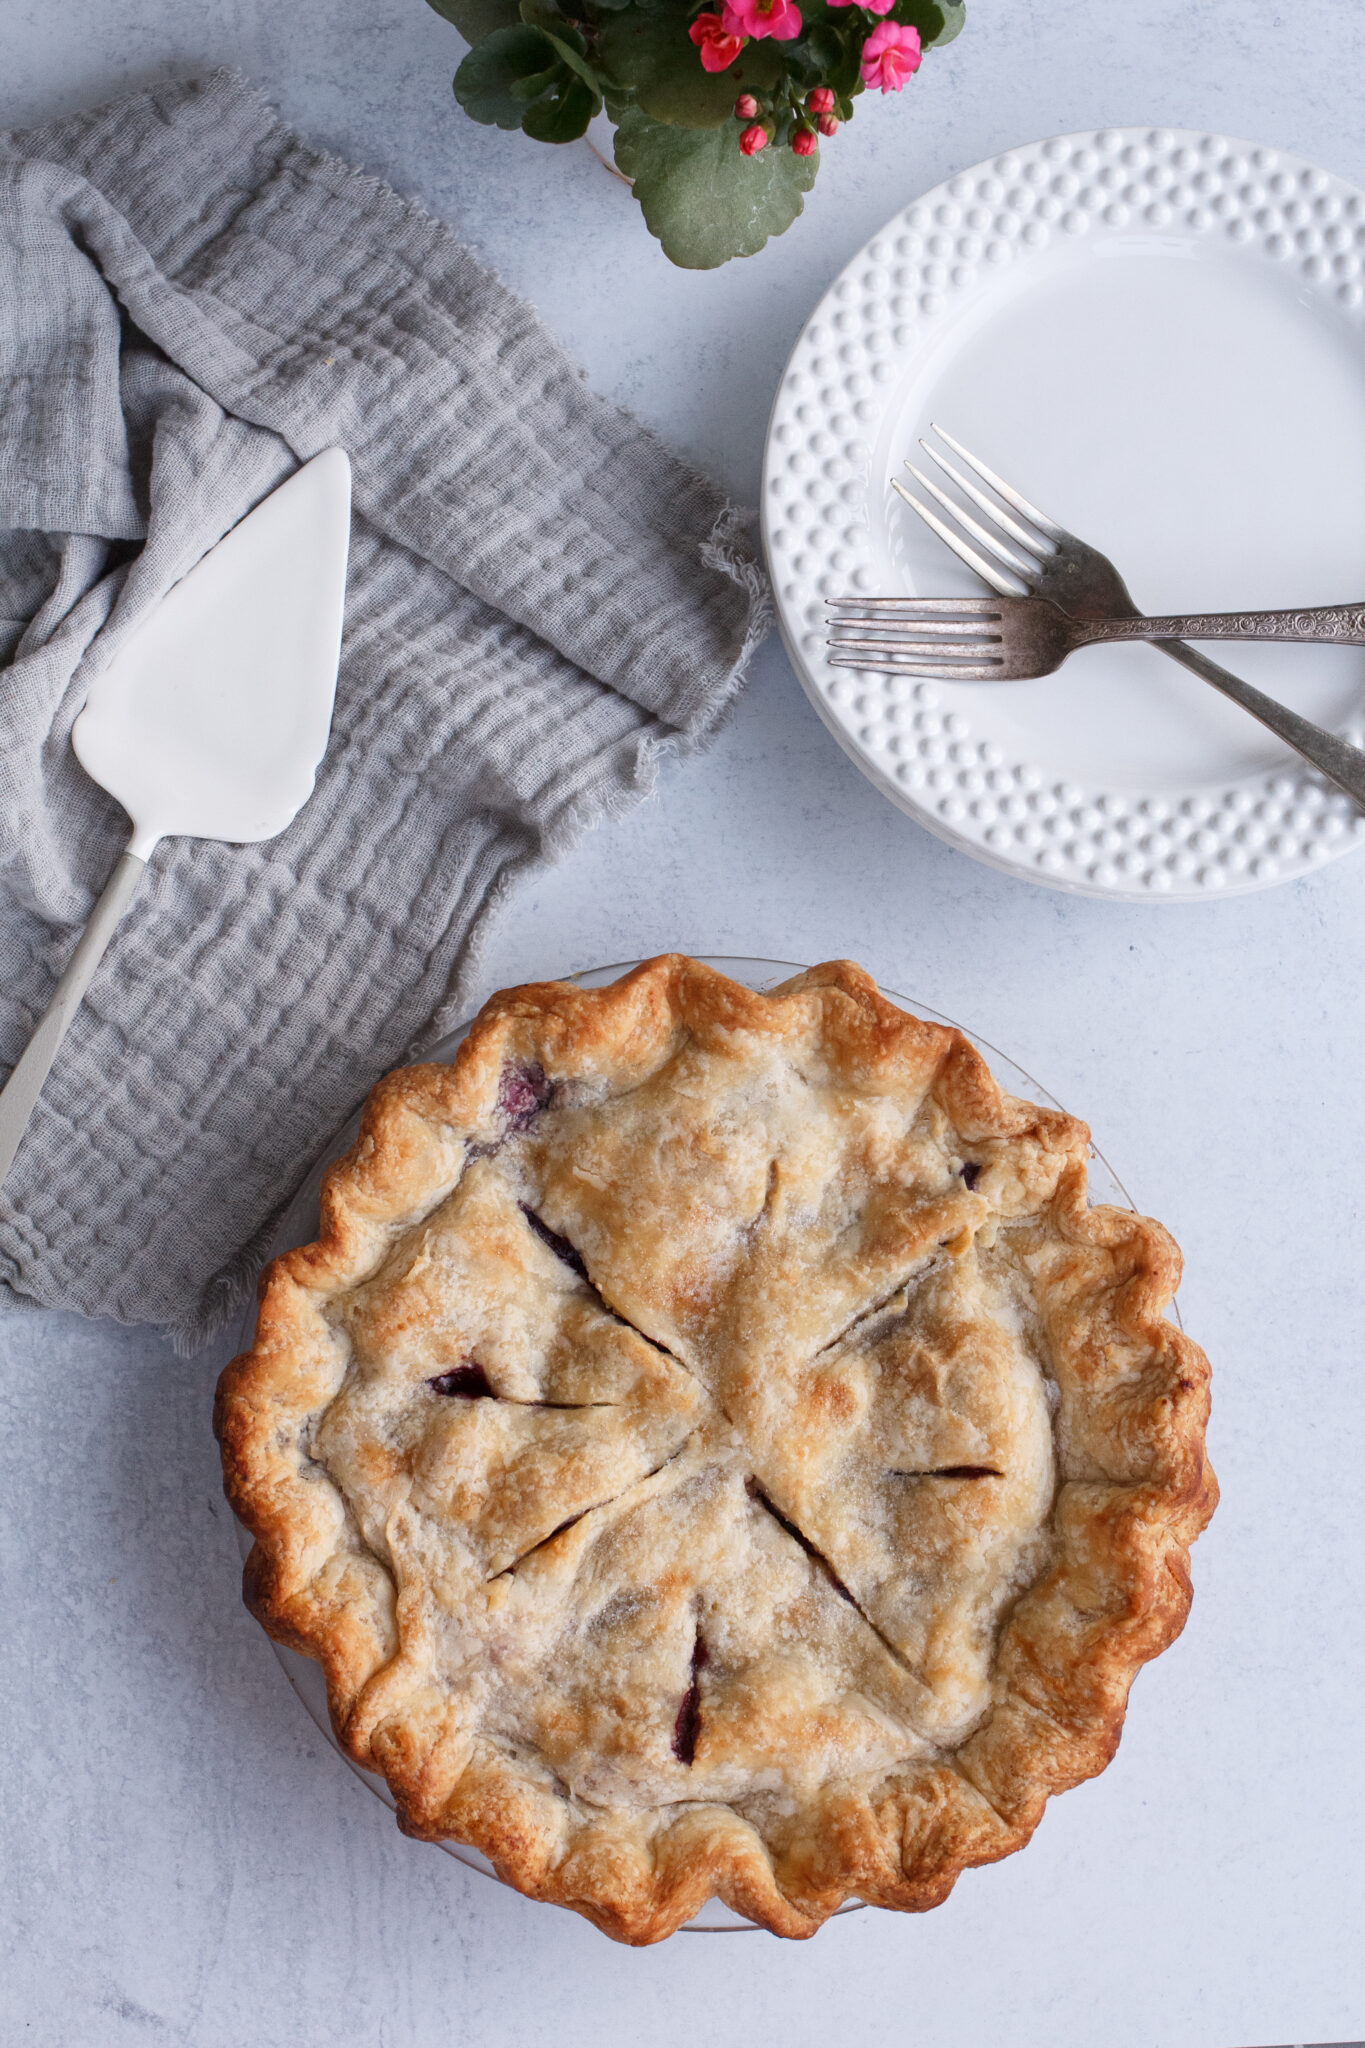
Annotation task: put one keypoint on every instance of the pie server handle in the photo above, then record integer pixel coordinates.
(20, 1093)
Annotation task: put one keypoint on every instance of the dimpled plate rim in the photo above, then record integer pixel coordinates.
(299, 1226)
(1167, 846)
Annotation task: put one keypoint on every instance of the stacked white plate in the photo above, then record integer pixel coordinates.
(1159, 338)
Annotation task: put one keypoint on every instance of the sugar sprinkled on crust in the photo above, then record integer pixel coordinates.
(713, 1448)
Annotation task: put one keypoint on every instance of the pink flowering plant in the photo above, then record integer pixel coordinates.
(719, 106)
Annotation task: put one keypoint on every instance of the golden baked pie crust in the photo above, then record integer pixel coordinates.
(850, 1399)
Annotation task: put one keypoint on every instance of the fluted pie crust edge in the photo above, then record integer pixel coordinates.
(1135, 1487)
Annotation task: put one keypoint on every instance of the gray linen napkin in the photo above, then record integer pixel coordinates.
(541, 602)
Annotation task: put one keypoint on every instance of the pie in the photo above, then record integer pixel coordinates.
(714, 1449)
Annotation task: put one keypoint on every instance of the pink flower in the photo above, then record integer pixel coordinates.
(803, 142)
(753, 139)
(872, 6)
(746, 106)
(762, 18)
(718, 45)
(821, 100)
(890, 55)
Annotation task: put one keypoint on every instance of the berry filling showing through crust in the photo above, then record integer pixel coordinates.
(560, 1246)
(756, 1493)
(469, 1382)
(572, 1521)
(523, 1092)
(971, 1173)
(953, 1472)
(687, 1727)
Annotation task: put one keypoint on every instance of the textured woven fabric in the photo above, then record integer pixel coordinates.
(541, 600)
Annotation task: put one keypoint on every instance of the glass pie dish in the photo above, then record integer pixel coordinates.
(300, 1226)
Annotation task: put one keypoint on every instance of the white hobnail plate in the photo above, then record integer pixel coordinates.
(299, 1226)
(1159, 337)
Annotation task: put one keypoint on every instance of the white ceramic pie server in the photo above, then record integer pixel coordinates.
(209, 723)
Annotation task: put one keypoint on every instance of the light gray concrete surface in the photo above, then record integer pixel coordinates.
(184, 1859)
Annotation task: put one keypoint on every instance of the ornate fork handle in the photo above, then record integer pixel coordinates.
(1340, 625)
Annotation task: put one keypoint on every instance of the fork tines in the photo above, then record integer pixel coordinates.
(953, 637)
(1008, 569)
(1006, 547)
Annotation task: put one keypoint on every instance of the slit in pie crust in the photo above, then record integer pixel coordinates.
(713, 1448)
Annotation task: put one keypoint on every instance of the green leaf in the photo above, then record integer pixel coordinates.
(758, 67)
(954, 19)
(571, 47)
(484, 82)
(813, 54)
(652, 55)
(524, 90)
(845, 73)
(545, 14)
(701, 198)
(938, 21)
(829, 55)
(476, 19)
(847, 76)
(564, 116)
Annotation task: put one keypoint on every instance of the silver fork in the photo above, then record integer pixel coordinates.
(1040, 558)
(1014, 639)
